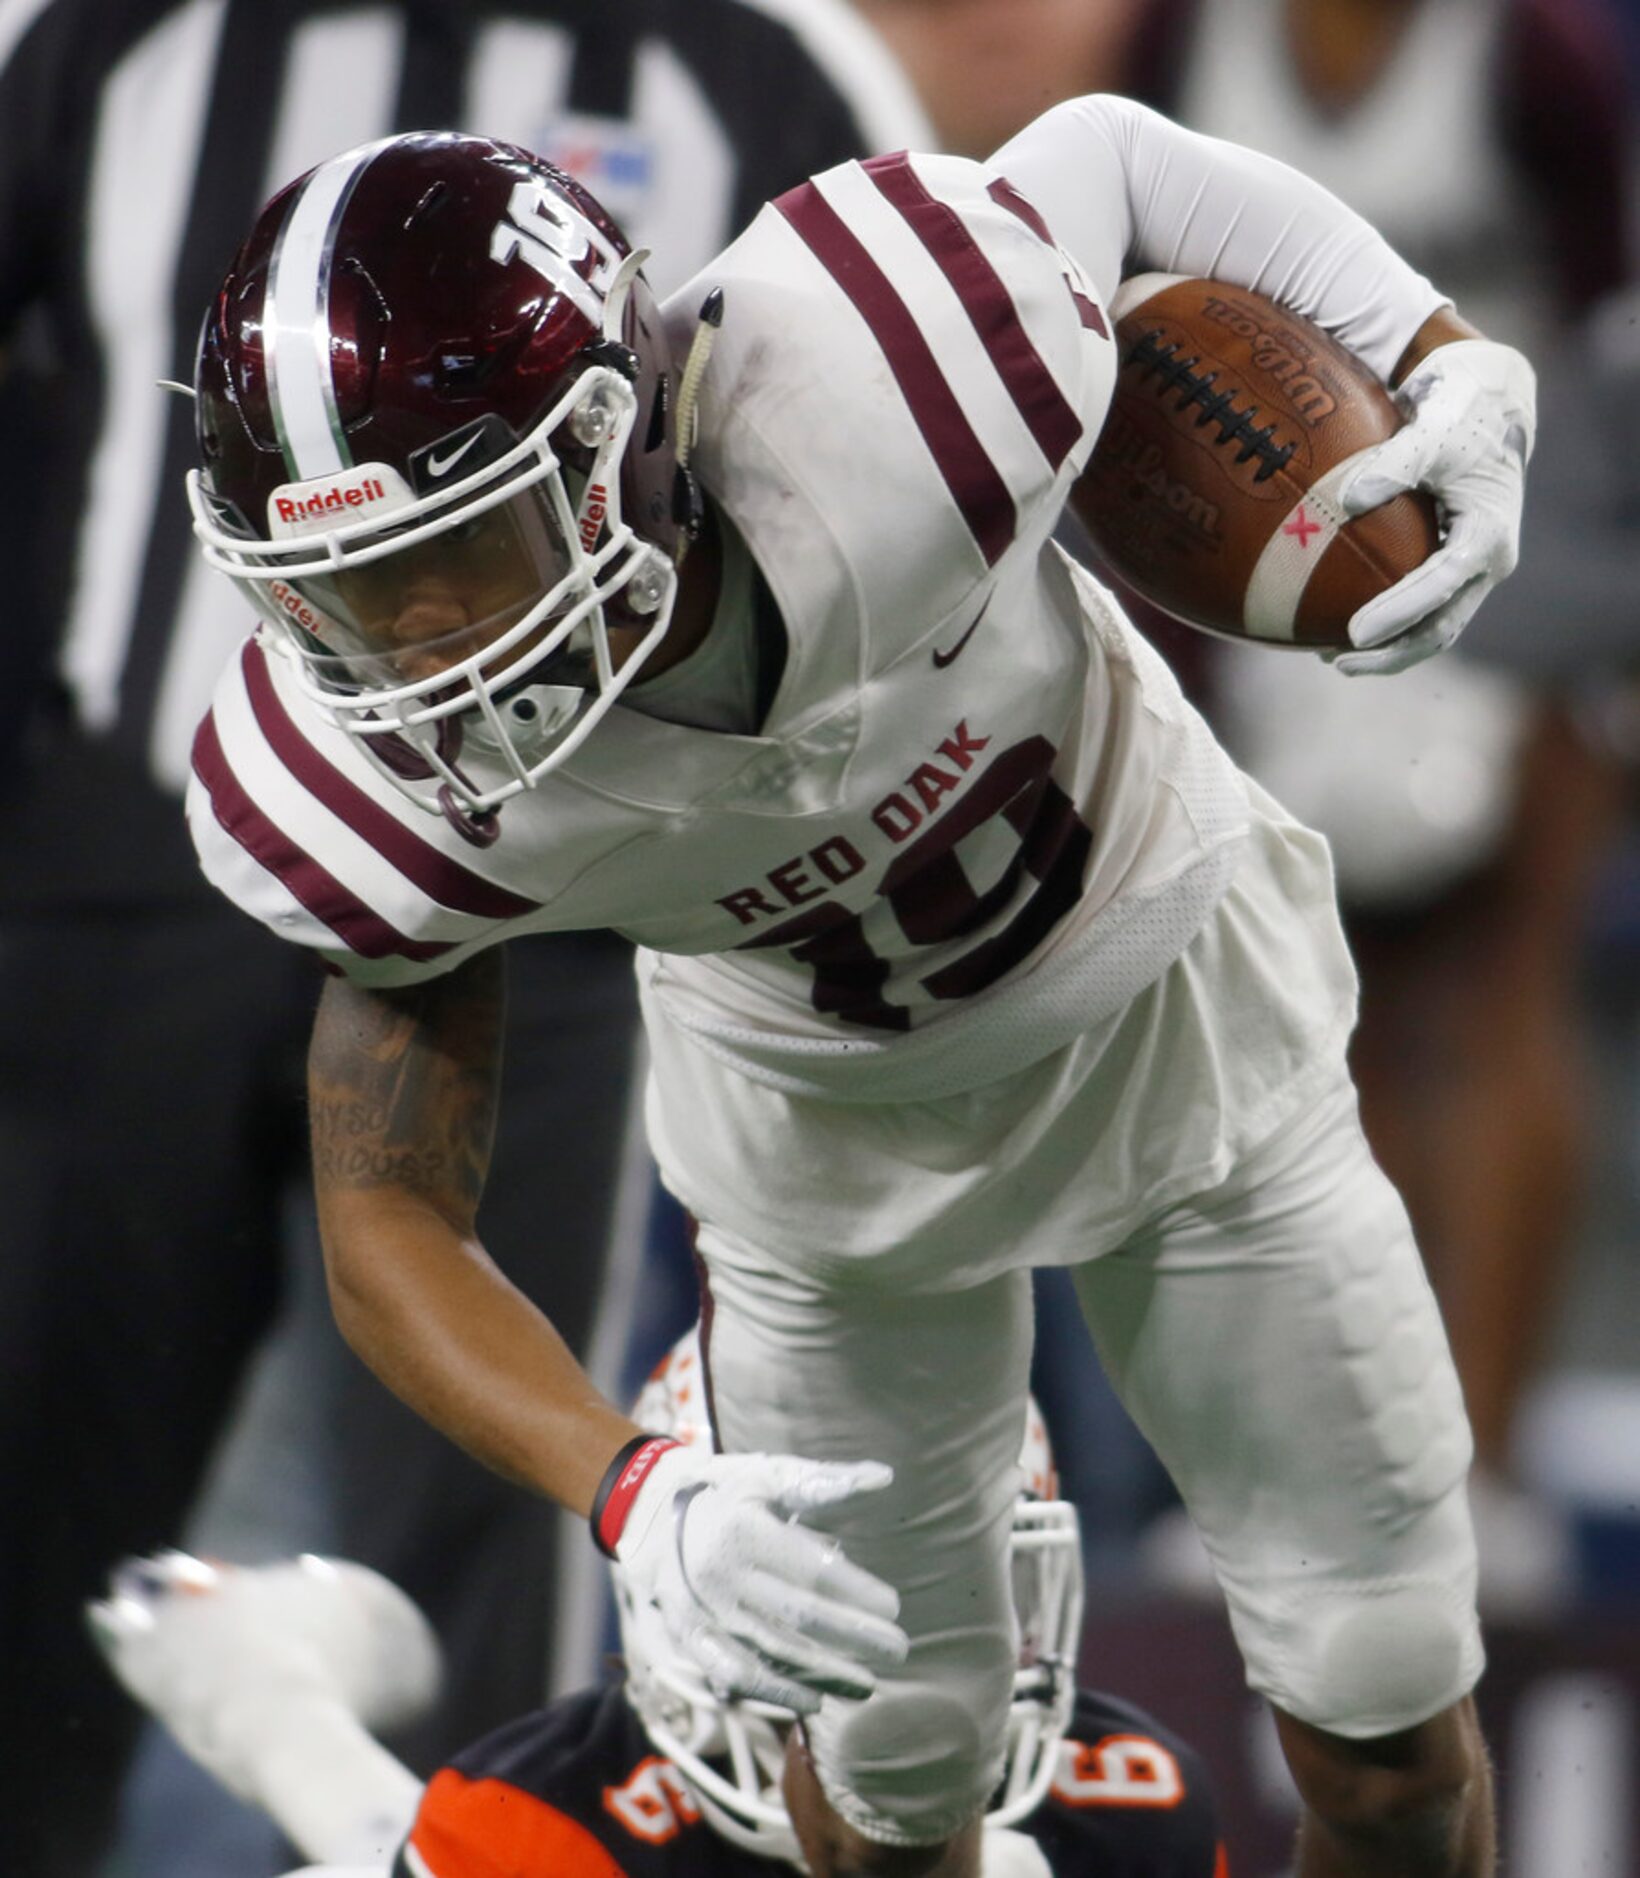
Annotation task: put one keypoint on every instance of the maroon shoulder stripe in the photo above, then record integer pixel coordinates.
(437, 875)
(1048, 413)
(323, 895)
(1003, 192)
(975, 483)
(1088, 312)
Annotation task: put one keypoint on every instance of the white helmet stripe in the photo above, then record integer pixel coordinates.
(296, 334)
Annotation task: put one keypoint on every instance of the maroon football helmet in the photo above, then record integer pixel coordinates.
(434, 404)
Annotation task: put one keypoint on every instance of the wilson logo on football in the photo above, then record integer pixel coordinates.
(1143, 462)
(1277, 354)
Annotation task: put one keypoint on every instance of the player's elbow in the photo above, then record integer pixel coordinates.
(354, 1291)
(361, 1234)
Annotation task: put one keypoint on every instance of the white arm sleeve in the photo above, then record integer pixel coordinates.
(1126, 190)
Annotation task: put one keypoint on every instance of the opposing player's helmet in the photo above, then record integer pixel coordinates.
(434, 411)
(732, 1754)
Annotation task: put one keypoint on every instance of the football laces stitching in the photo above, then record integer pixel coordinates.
(1152, 358)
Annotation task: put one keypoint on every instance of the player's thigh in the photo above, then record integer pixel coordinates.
(935, 1385)
(1277, 1342)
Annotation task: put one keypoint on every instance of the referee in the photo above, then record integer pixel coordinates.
(151, 1130)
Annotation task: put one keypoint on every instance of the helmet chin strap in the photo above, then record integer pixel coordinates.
(620, 291)
(686, 501)
(686, 498)
(479, 826)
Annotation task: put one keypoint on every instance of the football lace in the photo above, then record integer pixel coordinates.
(1153, 358)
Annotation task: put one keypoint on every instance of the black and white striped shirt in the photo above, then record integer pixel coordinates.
(137, 139)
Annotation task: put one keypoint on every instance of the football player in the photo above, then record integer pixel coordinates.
(271, 1677)
(736, 624)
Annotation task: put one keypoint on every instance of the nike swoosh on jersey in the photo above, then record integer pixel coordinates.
(943, 659)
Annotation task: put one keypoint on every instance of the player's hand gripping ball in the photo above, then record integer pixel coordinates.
(1254, 478)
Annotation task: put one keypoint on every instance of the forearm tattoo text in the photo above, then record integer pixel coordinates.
(402, 1085)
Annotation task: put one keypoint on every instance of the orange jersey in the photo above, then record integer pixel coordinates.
(577, 1791)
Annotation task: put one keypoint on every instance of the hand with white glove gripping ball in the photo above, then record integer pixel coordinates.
(1472, 417)
(765, 1607)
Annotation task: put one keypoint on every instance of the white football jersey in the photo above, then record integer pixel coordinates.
(978, 815)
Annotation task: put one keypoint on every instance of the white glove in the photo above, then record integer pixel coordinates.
(1472, 418)
(764, 1608)
(214, 1651)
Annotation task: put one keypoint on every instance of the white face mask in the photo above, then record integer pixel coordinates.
(483, 606)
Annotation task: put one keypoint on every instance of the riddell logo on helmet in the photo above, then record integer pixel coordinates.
(595, 506)
(294, 509)
(344, 497)
(294, 607)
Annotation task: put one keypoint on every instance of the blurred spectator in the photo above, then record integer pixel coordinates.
(985, 68)
(1494, 134)
(1469, 810)
(1569, 618)
(151, 1042)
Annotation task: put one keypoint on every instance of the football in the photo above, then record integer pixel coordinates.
(1213, 488)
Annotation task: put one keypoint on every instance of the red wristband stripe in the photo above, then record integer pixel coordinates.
(627, 1473)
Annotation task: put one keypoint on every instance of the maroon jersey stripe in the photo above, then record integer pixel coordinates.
(1090, 315)
(317, 889)
(436, 874)
(1003, 192)
(1048, 414)
(975, 483)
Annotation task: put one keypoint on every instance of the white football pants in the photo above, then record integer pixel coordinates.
(1277, 1342)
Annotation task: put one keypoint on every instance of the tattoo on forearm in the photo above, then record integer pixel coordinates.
(402, 1085)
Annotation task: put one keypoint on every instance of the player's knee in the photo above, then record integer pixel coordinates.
(1376, 1664)
(914, 1766)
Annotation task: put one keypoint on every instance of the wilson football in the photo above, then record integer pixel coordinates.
(1213, 488)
